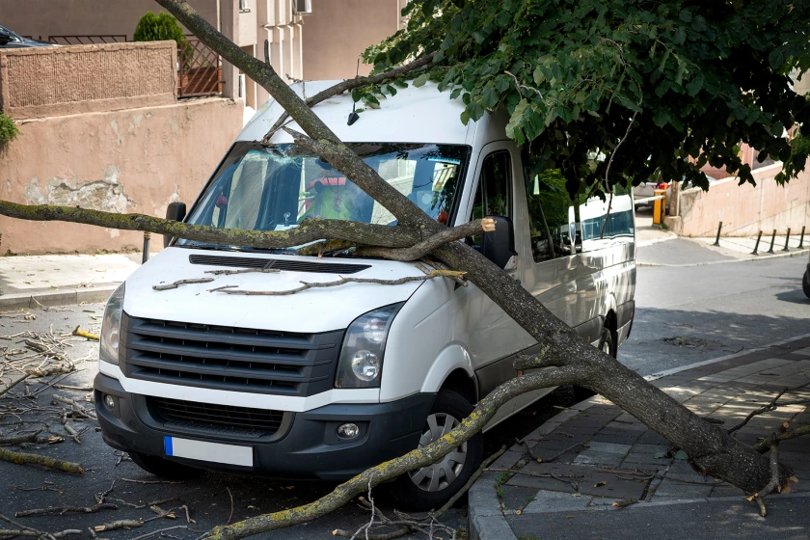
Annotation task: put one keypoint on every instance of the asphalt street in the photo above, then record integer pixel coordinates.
(684, 315)
(690, 314)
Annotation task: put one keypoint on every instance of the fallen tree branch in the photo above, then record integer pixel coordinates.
(32, 437)
(228, 289)
(309, 230)
(777, 437)
(765, 408)
(421, 457)
(351, 84)
(34, 459)
(62, 510)
(770, 486)
(176, 284)
(432, 243)
(38, 534)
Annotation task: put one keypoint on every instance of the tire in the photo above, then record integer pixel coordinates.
(806, 283)
(428, 488)
(607, 342)
(163, 468)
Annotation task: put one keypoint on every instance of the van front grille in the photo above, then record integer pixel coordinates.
(229, 358)
(212, 417)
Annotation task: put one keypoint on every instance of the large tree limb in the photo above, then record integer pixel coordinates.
(351, 84)
(309, 230)
(345, 492)
(432, 243)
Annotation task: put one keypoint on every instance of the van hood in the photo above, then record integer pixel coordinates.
(310, 311)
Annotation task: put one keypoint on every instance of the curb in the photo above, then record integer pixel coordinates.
(486, 521)
(56, 297)
(768, 257)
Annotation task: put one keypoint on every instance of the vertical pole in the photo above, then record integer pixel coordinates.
(801, 238)
(717, 240)
(773, 238)
(147, 237)
(756, 246)
(787, 239)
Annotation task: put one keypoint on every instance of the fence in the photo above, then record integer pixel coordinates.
(87, 40)
(199, 70)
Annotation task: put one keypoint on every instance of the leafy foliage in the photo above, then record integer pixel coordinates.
(160, 27)
(695, 78)
(8, 129)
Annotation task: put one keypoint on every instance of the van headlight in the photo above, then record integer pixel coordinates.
(361, 357)
(111, 327)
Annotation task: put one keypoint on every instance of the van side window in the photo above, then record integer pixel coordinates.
(550, 209)
(494, 194)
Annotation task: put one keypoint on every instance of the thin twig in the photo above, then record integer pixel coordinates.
(765, 408)
(230, 289)
(230, 516)
(167, 286)
(153, 533)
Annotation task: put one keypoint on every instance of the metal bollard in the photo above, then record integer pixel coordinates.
(787, 239)
(756, 246)
(773, 238)
(717, 240)
(147, 237)
(801, 238)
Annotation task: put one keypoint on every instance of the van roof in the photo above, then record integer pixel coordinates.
(414, 115)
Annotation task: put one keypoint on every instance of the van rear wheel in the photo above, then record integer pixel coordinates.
(432, 486)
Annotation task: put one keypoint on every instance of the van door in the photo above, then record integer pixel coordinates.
(493, 337)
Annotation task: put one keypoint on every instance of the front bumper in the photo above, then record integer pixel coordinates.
(305, 446)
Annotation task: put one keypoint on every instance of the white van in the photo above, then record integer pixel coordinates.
(327, 382)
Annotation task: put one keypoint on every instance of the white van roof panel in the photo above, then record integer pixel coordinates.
(413, 115)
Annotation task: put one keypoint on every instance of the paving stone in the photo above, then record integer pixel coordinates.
(507, 460)
(515, 497)
(551, 501)
(672, 489)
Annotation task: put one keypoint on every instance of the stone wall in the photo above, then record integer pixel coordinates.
(56, 81)
(745, 210)
(133, 160)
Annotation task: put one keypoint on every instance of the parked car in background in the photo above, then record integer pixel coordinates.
(806, 281)
(12, 40)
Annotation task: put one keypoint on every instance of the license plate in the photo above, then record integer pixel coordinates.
(207, 451)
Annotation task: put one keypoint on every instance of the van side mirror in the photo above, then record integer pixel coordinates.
(175, 212)
(499, 245)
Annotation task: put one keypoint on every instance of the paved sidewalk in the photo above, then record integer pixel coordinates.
(26, 281)
(604, 456)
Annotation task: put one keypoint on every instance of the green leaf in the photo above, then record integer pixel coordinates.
(680, 454)
(661, 117)
(391, 90)
(399, 83)
(465, 117)
(490, 96)
(455, 93)
(538, 75)
(421, 80)
(661, 455)
(476, 110)
(694, 86)
(686, 16)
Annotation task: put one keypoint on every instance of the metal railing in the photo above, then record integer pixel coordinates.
(199, 70)
(87, 40)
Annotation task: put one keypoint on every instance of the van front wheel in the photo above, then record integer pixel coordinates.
(806, 283)
(432, 486)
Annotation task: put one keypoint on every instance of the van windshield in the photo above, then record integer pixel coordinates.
(275, 188)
